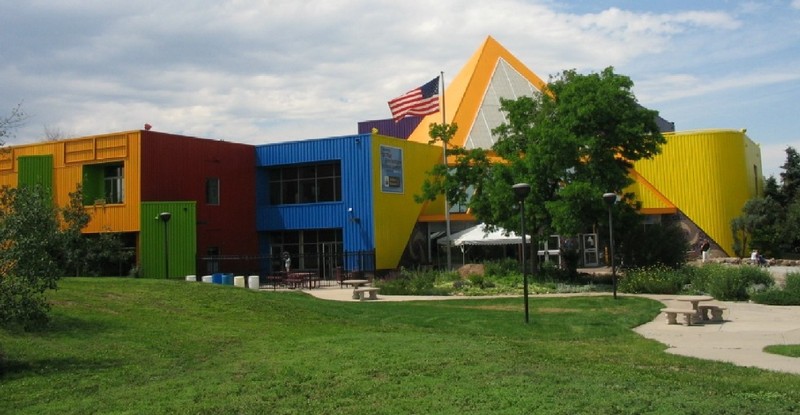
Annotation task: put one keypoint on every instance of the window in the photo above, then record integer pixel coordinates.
(308, 248)
(311, 183)
(103, 183)
(113, 184)
(212, 191)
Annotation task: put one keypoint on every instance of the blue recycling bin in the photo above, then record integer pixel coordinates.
(216, 278)
(227, 279)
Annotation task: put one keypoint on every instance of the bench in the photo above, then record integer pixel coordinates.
(716, 312)
(672, 314)
(362, 291)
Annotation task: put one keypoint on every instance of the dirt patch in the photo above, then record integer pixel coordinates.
(471, 269)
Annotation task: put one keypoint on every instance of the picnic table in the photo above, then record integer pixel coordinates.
(696, 300)
(298, 279)
(356, 285)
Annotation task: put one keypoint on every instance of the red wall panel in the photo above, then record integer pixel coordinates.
(175, 168)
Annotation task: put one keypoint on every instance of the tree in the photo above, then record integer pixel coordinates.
(572, 143)
(758, 226)
(790, 178)
(31, 255)
(10, 123)
(771, 223)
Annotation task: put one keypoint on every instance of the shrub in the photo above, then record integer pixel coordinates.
(660, 244)
(776, 296)
(789, 295)
(480, 281)
(792, 282)
(729, 282)
(653, 280)
(549, 272)
(413, 283)
(501, 268)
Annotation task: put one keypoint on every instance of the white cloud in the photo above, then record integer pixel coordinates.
(258, 71)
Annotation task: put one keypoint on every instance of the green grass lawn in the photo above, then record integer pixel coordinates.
(152, 346)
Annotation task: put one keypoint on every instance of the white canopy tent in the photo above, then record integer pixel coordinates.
(479, 235)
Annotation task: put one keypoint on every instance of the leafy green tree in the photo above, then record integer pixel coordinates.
(771, 223)
(571, 144)
(86, 255)
(759, 226)
(31, 254)
(790, 178)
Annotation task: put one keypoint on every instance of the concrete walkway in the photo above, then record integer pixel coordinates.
(740, 339)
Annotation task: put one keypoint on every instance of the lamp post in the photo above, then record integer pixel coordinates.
(165, 217)
(521, 191)
(610, 199)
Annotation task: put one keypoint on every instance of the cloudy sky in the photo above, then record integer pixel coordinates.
(260, 71)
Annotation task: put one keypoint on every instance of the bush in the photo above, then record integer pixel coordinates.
(789, 295)
(414, 283)
(653, 280)
(501, 268)
(549, 272)
(660, 244)
(730, 283)
(776, 296)
(792, 282)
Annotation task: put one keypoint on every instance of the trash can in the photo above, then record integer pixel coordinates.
(216, 278)
(227, 279)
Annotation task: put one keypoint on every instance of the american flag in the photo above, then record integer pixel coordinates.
(420, 101)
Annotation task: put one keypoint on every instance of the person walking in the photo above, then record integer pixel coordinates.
(704, 247)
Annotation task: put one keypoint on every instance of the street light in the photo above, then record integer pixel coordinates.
(165, 217)
(521, 191)
(610, 199)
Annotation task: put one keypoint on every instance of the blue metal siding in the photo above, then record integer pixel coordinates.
(353, 152)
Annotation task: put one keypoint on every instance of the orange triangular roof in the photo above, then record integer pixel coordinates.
(465, 96)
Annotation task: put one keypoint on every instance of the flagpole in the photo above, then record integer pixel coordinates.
(447, 171)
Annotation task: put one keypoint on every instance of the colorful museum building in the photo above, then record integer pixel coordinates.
(346, 203)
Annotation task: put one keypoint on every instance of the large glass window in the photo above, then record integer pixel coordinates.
(306, 248)
(309, 183)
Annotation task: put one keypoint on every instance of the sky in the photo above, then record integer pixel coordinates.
(263, 71)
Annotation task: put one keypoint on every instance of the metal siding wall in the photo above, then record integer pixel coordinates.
(36, 170)
(706, 175)
(229, 226)
(391, 128)
(355, 156)
(69, 157)
(182, 240)
(396, 214)
(123, 217)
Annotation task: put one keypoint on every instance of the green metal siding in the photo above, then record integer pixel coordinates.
(92, 183)
(36, 170)
(181, 240)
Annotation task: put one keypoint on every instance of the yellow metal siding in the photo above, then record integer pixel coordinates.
(708, 175)
(69, 157)
(396, 214)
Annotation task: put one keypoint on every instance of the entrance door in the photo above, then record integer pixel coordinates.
(330, 258)
(590, 257)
